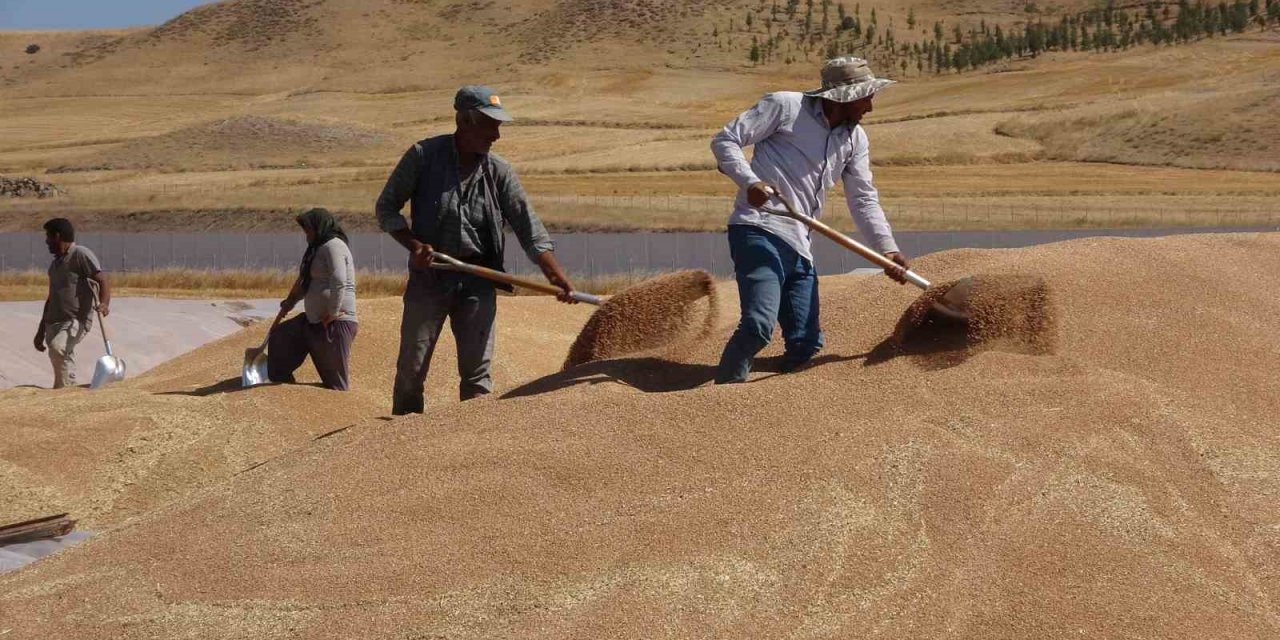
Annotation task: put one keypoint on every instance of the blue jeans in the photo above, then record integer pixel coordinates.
(775, 284)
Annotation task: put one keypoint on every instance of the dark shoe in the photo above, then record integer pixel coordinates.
(791, 366)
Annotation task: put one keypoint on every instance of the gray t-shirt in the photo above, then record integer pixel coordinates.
(333, 284)
(70, 296)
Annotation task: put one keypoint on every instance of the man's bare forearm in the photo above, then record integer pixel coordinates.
(406, 239)
(43, 315)
(104, 288)
(551, 269)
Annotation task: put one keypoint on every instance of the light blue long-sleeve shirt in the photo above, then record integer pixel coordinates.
(799, 154)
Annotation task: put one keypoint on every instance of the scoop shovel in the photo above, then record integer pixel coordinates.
(255, 358)
(449, 263)
(953, 304)
(645, 316)
(109, 368)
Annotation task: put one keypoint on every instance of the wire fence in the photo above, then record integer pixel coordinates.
(690, 212)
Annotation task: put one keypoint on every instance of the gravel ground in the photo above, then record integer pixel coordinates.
(1116, 481)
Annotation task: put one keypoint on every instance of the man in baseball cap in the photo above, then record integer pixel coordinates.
(803, 143)
(481, 98)
(460, 195)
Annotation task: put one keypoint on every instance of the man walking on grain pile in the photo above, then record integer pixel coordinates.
(803, 142)
(460, 196)
(67, 318)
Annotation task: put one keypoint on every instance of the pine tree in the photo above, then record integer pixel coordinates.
(911, 17)
(1239, 16)
(1209, 22)
(1035, 39)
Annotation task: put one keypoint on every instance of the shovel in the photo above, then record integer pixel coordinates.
(255, 358)
(644, 317)
(953, 304)
(449, 263)
(108, 368)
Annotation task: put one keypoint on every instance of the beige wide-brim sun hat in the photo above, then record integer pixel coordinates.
(847, 79)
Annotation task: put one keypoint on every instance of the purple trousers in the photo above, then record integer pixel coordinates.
(330, 350)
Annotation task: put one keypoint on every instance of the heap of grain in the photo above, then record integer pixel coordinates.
(655, 314)
(1119, 484)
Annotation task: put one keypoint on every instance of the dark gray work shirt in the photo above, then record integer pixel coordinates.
(461, 216)
(70, 297)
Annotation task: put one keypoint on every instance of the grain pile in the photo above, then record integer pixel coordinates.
(1013, 313)
(1120, 486)
(187, 424)
(655, 314)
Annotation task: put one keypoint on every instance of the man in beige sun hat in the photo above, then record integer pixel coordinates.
(803, 143)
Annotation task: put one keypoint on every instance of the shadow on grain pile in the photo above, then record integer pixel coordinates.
(1006, 313)
(652, 315)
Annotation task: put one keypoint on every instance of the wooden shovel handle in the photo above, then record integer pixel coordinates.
(449, 263)
(873, 256)
(839, 238)
(279, 316)
(97, 308)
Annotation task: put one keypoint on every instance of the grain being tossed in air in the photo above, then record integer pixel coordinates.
(1015, 311)
(648, 316)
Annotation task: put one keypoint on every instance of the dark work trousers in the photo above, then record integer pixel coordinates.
(330, 349)
(470, 304)
(776, 285)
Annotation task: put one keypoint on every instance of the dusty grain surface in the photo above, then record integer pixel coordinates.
(1121, 484)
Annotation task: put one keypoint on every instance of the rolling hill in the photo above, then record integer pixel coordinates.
(113, 111)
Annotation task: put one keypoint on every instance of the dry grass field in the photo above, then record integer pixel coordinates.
(311, 103)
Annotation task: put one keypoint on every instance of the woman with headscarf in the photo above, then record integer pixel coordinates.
(327, 286)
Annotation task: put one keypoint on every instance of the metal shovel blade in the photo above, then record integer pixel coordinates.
(255, 367)
(108, 369)
(954, 304)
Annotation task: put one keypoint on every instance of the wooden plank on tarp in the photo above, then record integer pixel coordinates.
(38, 529)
